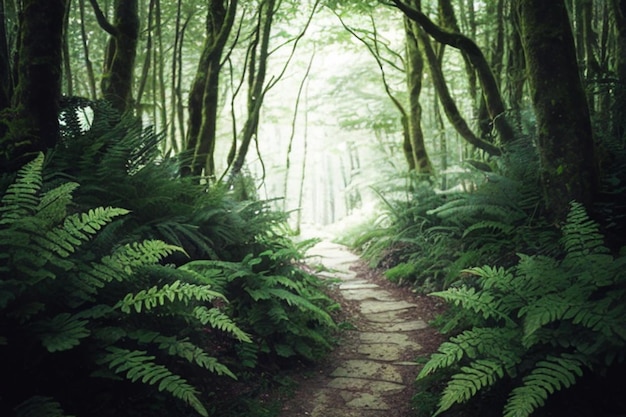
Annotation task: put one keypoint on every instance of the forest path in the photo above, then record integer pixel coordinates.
(372, 370)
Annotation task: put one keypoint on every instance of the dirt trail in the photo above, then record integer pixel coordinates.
(372, 371)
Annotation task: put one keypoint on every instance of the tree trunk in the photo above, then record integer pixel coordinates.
(6, 83)
(488, 83)
(414, 75)
(449, 106)
(121, 51)
(564, 136)
(33, 125)
(257, 69)
(204, 94)
(619, 105)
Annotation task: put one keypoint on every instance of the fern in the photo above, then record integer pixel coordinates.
(547, 377)
(138, 366)
(479, 375)
(155, 296)
(21, 197)
(218, 320)
(545, 320)
(39, 406)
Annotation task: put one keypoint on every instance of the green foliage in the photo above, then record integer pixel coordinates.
(544, 322)
(58, 294)
(286, 308)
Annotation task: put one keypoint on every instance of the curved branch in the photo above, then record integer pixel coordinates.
(450, 108)
(102, 20)
(491, 92)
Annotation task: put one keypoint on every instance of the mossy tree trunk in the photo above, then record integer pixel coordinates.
(414, 75)
(31, 124)
(564, 134)
(121, 52)
(204, 94)
(491, 91)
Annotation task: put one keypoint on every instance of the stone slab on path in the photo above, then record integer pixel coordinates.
(366, 378)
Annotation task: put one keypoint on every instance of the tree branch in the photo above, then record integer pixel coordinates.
(102, 20)
(491, 92)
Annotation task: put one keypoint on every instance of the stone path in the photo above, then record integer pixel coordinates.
(364, 381)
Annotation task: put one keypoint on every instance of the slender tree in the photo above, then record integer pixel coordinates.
(33, 123)
(204, 94)
(564, 135)
(121, 52)
(491, 92)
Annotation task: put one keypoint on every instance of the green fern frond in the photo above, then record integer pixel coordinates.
(137, 254)
(169, 293)
(480, 374)
(303, 304)
(581, 235)
(218, 320)
(447, 355)
(548, 376)
(62, 332)
(498, 344)
(39, 406)
(481, 302)
(20, 198)
(193, 354)
(53, 204)
(494, 227)
(137, 365)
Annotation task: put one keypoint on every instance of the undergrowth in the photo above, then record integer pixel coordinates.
(185, 300)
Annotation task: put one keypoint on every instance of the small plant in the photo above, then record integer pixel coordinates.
(545, 322)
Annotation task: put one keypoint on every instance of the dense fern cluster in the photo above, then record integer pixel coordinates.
(140, 310)
(544, 322)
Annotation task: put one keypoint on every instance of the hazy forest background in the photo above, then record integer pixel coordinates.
(164, 164)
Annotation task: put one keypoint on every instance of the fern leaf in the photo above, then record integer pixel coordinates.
(53, 204)
(137, 254)
(218, 320)
(39, 406)
(193, 354)
(303, 304)
(62, 332)
(137, 365)
(481, 302)
(464, 385)
(495, 227)
(155, 296)
(547, 377)
(448, 354)
(20, 198)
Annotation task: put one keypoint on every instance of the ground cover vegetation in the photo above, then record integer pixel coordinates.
(176, 303)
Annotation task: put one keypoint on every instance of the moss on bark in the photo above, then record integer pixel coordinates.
(564, 134)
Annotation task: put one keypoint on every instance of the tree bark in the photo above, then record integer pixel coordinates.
(414, 75)
(619, 104)
(121, 51)
(449, 106)
(204, 94)
(33, 124)
(564, 135)
(493, 99)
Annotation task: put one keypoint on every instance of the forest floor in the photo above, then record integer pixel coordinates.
(385, 329)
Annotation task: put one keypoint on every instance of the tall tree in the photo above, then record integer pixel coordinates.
(121, 51)
(204, 94)
(33, 124)
(564, 135)
(415, 74)
(490, 88)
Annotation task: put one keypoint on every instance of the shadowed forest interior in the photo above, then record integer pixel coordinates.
(166, 165)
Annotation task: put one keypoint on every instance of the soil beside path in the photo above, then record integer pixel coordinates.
(372, 371)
